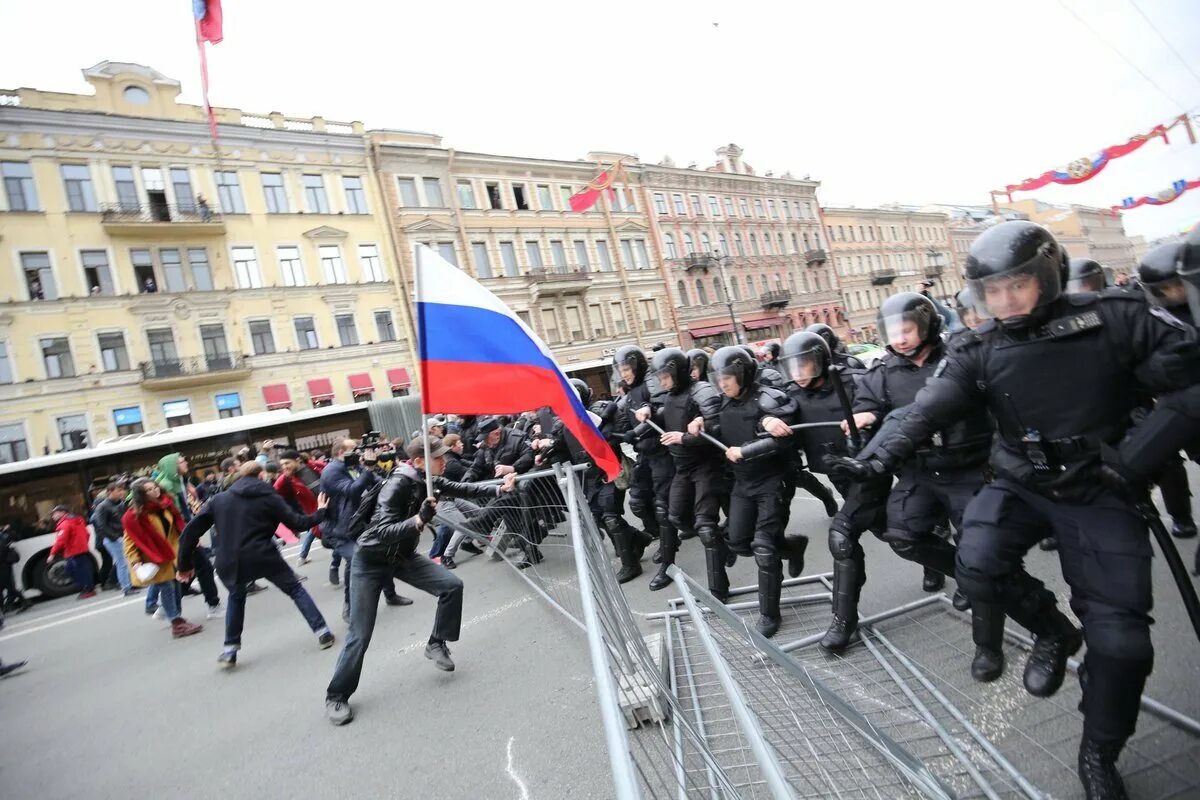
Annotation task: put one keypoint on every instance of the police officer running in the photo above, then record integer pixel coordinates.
(650, 487)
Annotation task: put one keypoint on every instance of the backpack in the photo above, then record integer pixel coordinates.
(360, 520)
(310, 478)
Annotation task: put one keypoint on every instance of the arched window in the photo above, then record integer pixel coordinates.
(737, 242)
(754, 245)
(724, 244)
(705, 243)
(701, 293)
(804, 236)
(689, 243)
(750, 290)
(778, 282)
(718, 290)
(681, 287)
(669, 243)
(766, 285)
(767, 244)
(733, 288)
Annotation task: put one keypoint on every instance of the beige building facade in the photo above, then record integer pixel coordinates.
(878, 252)
(150, 281)
(1085, 232)
(729, 235)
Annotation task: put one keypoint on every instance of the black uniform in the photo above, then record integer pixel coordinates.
(650, 487)
(513, 450)
(1061, 392)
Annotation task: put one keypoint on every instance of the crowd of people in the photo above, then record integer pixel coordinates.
(1038, 411)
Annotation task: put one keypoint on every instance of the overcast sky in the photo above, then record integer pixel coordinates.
(918, 101)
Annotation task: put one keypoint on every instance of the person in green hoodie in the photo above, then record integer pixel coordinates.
(171, 476)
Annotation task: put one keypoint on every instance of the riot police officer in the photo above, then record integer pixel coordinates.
(650, 486)
(699, 360)
(695, 500)
(756, 513)
(964, 304)
(807, 363)
(837, 350)
(1085, 275)
(767, 374)
(1061, 374)
(769, 355)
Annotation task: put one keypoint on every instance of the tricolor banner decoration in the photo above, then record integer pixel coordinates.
(588, 196)
(209, 28)
(478, 357)
(1162, 198)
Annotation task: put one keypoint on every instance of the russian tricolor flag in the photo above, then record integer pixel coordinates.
(477, 357)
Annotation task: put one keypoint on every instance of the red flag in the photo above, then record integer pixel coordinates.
(586, 198)
(208, 20)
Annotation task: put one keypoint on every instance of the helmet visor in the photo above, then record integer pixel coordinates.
(1171, 292)
(803, 368)
(1017, 293)
(904, 333)
(1088, 283)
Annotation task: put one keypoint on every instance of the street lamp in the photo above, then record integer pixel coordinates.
(722, 259)
(935, 262)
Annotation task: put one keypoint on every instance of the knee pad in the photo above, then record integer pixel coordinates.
(841, 544)
(638, 505)
(710, 536)
(660, 514)
(981, 588)
(905, 550)
(767, 559)
(614, 526)
(1118, 638)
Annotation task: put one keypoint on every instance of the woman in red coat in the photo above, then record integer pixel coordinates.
(72, 544)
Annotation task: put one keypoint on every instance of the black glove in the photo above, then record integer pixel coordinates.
(427, 512)
(852, 468)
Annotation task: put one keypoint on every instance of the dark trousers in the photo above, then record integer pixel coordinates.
(371, 572)
(922, 500)
(650, 488)
(1104, 550)
(106, 565)
(79, 568)
(279, 573)
(205, 576)
(756, 517)
(695, 496)
(1173, 481)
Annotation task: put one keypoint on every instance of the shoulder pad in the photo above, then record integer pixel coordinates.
(771, 399)
(1169, 318)
(878, 365)
(962, 340)
(703, 390)
(1118, 293)
(1083, 298)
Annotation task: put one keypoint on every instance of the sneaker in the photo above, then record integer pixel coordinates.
(9, 669)
(227, 659)
(88, 594)
(448, 562)
(255, 587)
(333, 576)
(439, 654)
(301, 561)
(152, 611)
(215, 611)
(338, 712)
(325, 640)
(159, 613)
(180, 628)
(470, 547)
(397, 600)
(436, 559)
(131, 590)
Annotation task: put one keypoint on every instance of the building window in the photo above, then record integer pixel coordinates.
(447, 252)
(758, 207)
(558, 255)
(545, 199)
(6, 373)
(705, 244)
(660, 203)
(163, 356)
(718, 290)
(795, 244)
(640, 256)
(385, 327)
(697, 208)
(128, 420)
(744, 206)
(56, 356)
(156, 194)
(767, 244)
(681, 290)
(314, 194)
(332, 268)
(372, 267)
(564, 193)
(77, 179)
(356, 198)
(701, 293)
(617, 312)
(229, 405)
(771, 209)
(605, 256)
(728, 203)
(177, 412)
(181, 185)
(508, 256)
(493, 195)
(216, 348)
(13, 446)
(408, 192)
(289, 265)
(19, 186)
(574, 323)
(466, 195)
(519, 198)
(734, 289)
(172, 267)
(306, 334)
(766, 285)
(229, 193)
(669, 246)
(581, 255)
(649, 312)
(201, 271)
(783, 207)
(127, 193)
(96, 274)
(597, 320)
(680, 208)
(534, 253)
(550, 325)
(275, 194)
(724, 244)
(143, 271)
(347, 330)
(262, 340)
(737, 243)
(433, 192)
(627, 253)
(689, 244)
(754, 245)
(245, 268)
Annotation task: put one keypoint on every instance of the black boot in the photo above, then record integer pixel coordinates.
(848, 579)
(1183, 529)
(640, 539)
(623, 543)
(770, 586)
(960, 601)
(661, 579)
(793, 549)
(987, 629)
(714, 563)
(1098, 770)
(1047, 663)
(667, 546)
(1048, 544)
(933, 581)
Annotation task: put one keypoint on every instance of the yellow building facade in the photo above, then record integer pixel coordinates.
(148, 281)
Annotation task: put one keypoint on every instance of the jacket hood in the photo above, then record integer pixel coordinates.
(168, 473)
(251, 486)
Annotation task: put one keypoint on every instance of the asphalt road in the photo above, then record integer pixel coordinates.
(110, 706)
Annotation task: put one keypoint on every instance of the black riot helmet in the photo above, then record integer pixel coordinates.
(699, 361)
(632, 357)
(770, 349)
(805, 359)
(583, 390)
(1085, 275)
(827, 333)
(735, 362)
(1189, 269)
(1008, 263)
(964, 304)
(671, 362)
(1158, 274)
(896, 314)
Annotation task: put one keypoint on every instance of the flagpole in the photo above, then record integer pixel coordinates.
(424, 384)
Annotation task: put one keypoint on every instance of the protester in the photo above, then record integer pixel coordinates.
(11, 598)
(246, 516)
(152, 527)
(72, 544)
(106, 520)
(171, 476)
(298, 496)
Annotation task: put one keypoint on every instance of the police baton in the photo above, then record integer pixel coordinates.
(712, 439)
(855, 437)
(1191, 602)
(802, 426)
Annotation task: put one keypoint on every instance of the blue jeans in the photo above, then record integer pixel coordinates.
(444, 532)
(306, 540)
(282, 576)
(168, 594)
(80, 569)
(116, 550)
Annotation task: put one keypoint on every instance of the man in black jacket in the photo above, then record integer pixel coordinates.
(389, 548)
(106, 520)
(244, 519)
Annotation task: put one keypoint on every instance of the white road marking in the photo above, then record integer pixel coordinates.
(513, 773)
(83, 615)
(484, 617)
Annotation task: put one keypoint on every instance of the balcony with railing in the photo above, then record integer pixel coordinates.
(933, 270)
(882, 277)
(703, 261)
(814, 258)
(561, 280)
(779, 298)
(196, 371)
(161, 219)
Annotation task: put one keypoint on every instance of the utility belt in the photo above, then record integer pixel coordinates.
(1048, 457)
(950, 459)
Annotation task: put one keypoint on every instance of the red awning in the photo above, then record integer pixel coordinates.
(711, 330)
(360, 383)
(398, 378)
(320, 389)
(276, 395)
(760, 324)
